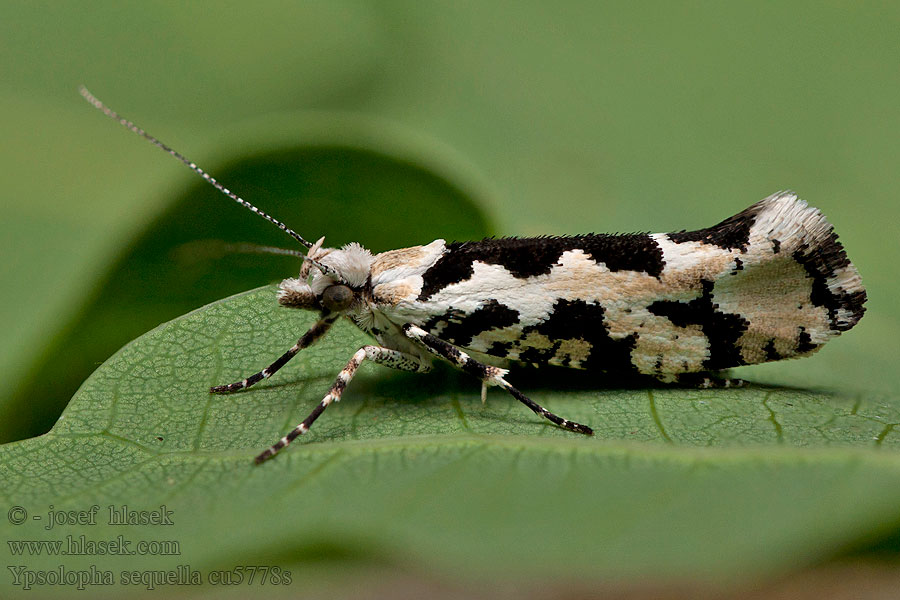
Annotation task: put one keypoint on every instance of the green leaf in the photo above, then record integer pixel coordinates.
(411, 473)
(579, 127)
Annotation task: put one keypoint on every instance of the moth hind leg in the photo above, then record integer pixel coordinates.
(543, 412)
(488, 374)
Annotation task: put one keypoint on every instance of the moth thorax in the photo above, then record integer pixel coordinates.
(352, 262)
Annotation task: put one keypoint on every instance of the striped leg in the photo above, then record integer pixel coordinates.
(309, 338)
(487, 374)
(383, 356)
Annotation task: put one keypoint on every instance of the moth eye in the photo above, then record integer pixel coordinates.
(337, 298)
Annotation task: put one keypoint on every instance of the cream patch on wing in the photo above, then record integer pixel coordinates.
(774, 297)
(527, 296)
(661, 346)
(575, 351)
(394, 292)
(398, 264)
(799, 227)
(397, 274)
(687, 263)
(773, 292)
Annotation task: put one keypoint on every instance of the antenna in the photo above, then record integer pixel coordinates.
(193, 166)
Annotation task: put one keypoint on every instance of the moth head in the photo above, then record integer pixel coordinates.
(334, 280)
(331, 280)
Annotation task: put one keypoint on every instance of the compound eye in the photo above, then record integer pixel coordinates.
(337, 298)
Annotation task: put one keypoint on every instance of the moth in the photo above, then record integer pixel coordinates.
(770, 283)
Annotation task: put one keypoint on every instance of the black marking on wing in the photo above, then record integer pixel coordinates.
(820, 263)
(459, 328)
(579, 320)
(435, 325)
(721, 329)
(500, 349)
(529, 257)
(805, 344)
(732, 233)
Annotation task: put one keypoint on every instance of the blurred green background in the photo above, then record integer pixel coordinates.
(452, 119)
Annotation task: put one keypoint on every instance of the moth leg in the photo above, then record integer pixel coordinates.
(704, 381)
(318, 329)
(487, 374)
(396, 359)
(383, 356)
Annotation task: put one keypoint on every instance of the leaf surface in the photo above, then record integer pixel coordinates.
(411, 471)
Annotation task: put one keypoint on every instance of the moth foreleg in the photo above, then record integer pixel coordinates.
(315, 332)
(383, 356)
(488, 374)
